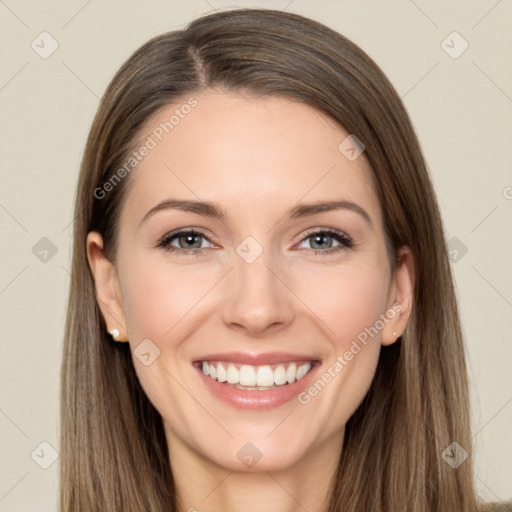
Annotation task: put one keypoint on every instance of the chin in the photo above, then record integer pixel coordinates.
(251, 458)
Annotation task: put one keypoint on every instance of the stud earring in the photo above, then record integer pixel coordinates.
(115, 334)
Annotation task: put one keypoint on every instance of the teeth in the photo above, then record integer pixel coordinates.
(264, 377)
(247, 376)
(255, 377)
(232, 374)
(222, 375)
(280, 375)
(291, 373)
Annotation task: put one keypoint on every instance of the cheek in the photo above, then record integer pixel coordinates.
(158, 297)
(348, 302)
(165, 304)
(350, 308)
(339, 389)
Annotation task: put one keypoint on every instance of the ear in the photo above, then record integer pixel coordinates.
(400, 299)
(108, 290)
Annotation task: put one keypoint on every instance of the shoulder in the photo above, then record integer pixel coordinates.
(496, 507)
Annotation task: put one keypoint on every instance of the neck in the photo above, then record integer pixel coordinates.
(202, 485)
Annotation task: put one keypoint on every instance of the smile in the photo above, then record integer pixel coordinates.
(256, 382)
(251, 378)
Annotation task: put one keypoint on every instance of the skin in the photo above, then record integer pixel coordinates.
(256, 158)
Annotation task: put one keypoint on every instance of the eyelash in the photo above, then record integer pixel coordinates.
(345, 242)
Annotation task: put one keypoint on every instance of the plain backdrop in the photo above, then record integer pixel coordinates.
(460, 102)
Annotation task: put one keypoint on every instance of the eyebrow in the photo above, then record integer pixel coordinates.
(213, 210)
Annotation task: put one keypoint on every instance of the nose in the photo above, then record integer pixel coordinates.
(258, 299)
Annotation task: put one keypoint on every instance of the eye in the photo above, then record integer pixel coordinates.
(327, 241)
(191, 242)
(185, 240)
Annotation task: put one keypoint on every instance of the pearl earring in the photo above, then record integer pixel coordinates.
(115, 334)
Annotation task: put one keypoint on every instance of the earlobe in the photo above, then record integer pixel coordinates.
(401, 298)
(107, 287)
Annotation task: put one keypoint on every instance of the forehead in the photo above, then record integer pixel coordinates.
(248, 153)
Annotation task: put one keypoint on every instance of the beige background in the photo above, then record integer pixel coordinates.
(461, 108)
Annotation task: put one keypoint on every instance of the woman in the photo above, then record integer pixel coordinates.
(262, 302)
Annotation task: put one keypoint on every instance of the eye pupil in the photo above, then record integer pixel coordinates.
(321, 241)
(191, 240)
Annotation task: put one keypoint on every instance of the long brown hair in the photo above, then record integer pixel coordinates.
(113, 450)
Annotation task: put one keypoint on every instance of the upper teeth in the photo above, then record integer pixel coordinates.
(247, 375)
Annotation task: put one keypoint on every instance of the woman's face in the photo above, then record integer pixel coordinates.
(267, 287)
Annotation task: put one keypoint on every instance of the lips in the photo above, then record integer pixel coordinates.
(269, 358)
(256, 381)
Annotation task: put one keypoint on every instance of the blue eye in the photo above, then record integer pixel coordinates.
(190, 242)
(323, 241)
